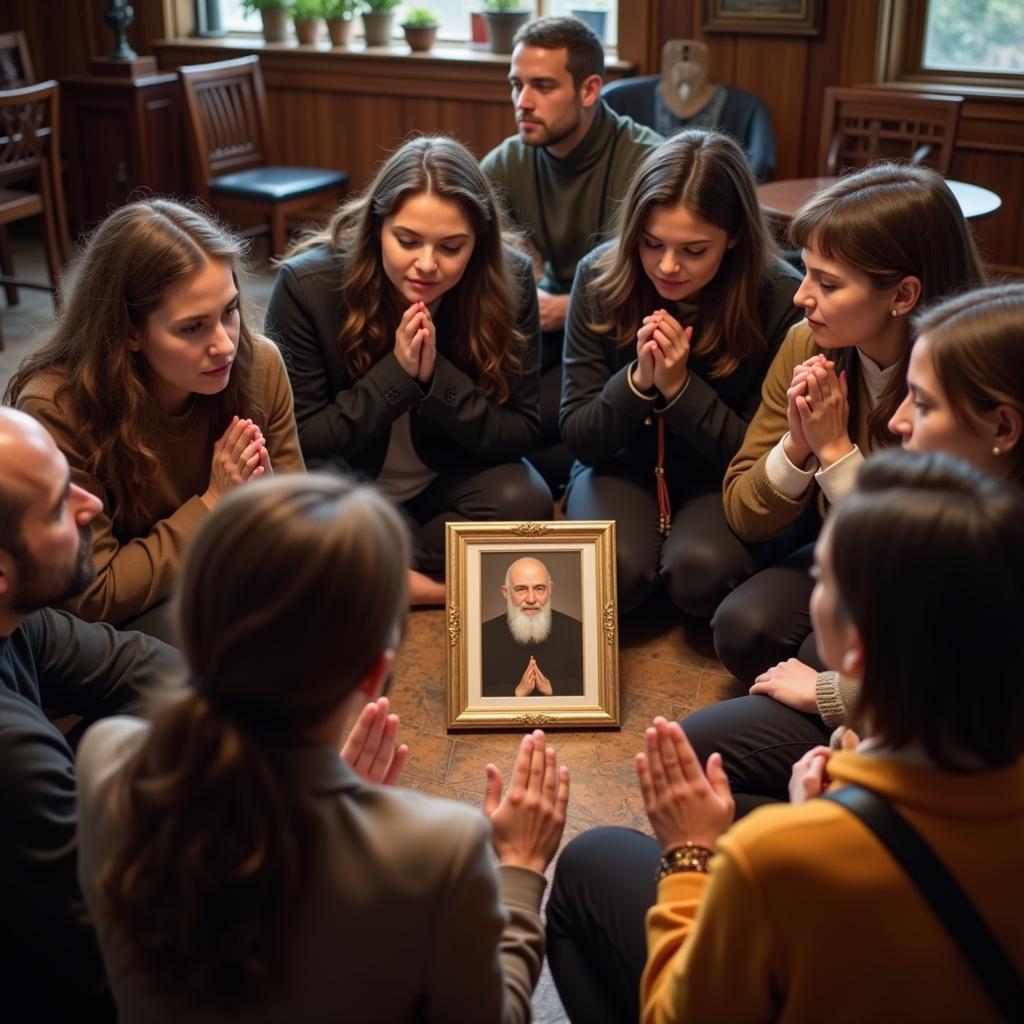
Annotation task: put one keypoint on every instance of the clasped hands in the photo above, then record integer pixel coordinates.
(662, 354)
(533, 679)
(240, 454)
(416, 343)
(817, 413)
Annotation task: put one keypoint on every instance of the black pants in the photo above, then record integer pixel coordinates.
(698, 563)
(766, 619)
(551, 458)
(511, 491)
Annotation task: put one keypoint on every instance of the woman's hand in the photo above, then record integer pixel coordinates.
(236, 459)
(825, 413)
(416, 342)
(810, 776)
(792, 683)
(672, 352)
(683, 804)
(527, 825)
(797, 450)
(643, 372)
(371, 747)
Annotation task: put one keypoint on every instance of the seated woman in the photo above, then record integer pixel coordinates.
(236, 867)
(965, 396)
(159, 394)
(806, 916)
(671, 328)
(876, 246)
(410, 333)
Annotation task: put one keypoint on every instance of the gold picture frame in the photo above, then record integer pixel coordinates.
(488, 566)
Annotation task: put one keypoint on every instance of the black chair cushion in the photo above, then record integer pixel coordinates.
(276, 184)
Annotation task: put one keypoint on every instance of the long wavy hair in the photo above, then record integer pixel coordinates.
(927, 539)
(708, 173)
(118, 280)
(976, 344)
(891, 221)
(486, 345)
(215, 835)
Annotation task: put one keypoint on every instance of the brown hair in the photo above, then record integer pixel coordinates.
(926, 539)
(891, 221)
(708, 173)
(584, 52)
(487, 295)
(120, 278)
(976, 343)
(215, 834)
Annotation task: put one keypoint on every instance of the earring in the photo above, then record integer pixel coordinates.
(996, 450)
(894, 313)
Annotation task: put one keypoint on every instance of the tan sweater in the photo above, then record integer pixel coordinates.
(755, 509)
(137, 562)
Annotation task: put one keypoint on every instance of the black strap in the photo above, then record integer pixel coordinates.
(971, 935)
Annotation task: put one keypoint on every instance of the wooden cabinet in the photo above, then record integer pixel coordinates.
(123, 134)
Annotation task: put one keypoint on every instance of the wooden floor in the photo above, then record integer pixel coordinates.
(666, 667)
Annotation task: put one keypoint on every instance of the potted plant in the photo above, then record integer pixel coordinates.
(378, 19)
(306, 15)
(275, 17)
(420, 27)
(504, 19)
(593, 13)
(340, 15)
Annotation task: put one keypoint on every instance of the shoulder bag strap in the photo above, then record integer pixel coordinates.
(969, 932)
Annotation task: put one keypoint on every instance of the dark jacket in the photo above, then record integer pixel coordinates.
(602, 418)
(341, 418)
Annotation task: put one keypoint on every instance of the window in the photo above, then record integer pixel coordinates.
(454, 15)
(984, 36)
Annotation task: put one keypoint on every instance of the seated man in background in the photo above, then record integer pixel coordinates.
(51, 660)
(561, 177)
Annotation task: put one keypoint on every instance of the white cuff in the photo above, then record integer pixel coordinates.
(632, 387)
(787, 479)
(838, 480)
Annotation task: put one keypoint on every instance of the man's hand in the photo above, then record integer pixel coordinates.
(370, 747)
(792, 683)
(553, 310)
(528, 681)
(543, 683)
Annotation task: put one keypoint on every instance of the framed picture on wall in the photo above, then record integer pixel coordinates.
(532, 625)
(763, 17)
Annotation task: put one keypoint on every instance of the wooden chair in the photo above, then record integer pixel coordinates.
(859, 126)
(29, 155)
(226, 111)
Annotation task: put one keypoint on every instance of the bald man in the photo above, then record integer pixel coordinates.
(532, 650)
(49, 659)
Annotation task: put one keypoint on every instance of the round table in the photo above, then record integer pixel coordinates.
(781, 199)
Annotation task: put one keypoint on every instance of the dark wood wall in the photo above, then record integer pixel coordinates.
(347, 110)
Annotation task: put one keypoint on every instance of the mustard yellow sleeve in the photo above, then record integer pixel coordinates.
(711, 952)
(755, 509)
(133, 576)
(280, 429)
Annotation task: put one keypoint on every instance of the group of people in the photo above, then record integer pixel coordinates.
(660, 361)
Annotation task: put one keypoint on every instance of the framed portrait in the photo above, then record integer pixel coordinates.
(532, 625)
(763, 17)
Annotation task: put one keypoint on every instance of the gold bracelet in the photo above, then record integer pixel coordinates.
(688, 857)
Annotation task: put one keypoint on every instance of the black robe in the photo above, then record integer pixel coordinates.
(560, 657)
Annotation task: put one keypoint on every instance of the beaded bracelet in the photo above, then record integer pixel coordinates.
(688, 857)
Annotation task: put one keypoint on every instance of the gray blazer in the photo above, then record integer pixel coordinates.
(404, 918)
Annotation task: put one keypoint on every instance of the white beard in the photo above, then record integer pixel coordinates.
(529, 629)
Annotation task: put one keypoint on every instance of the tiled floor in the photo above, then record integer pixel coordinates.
(666, 667)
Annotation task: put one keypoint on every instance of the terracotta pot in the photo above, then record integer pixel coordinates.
(502, 27)
(420, 37)
(275, 24)
(340, 30)
(377, 29)
(307, 32)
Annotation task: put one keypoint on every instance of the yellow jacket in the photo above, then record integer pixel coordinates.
(806, 917)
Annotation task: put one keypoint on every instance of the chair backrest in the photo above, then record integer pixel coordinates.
(633, 97)
(226, 109)
(859, 126)
(30, 131)
(15, 61)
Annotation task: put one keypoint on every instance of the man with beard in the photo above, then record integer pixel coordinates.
(532, 650)
(50, 659)
(561, 177)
